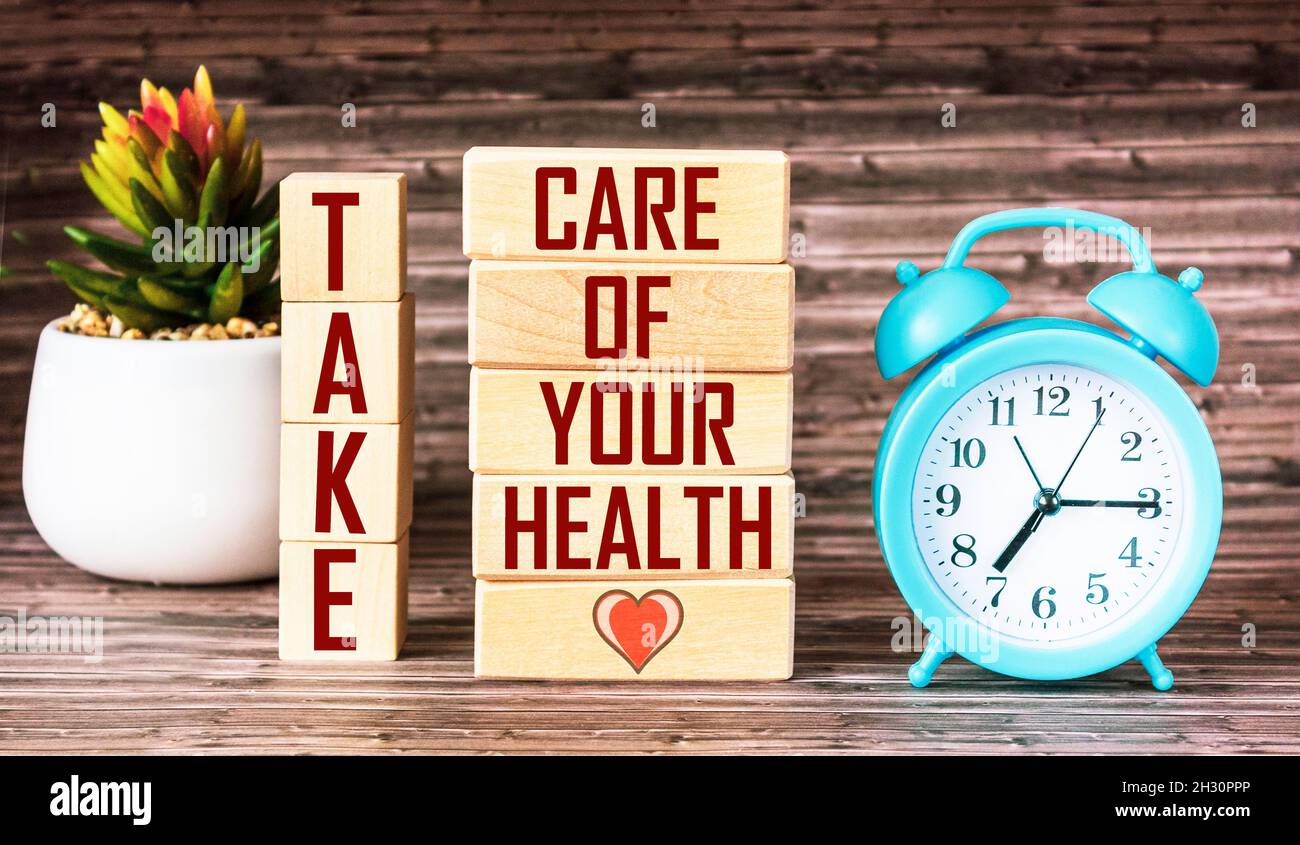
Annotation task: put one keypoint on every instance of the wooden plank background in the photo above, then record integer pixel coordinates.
(1129, 108)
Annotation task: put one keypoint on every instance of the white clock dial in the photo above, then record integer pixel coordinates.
(1049, 560)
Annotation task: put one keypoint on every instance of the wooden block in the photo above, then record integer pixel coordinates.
(346, 481)
(639, 527)
(668, 205)
(586, 315)
(647, 630)
(343, 601)
(526, 421)
(347, 362)
(343, 237)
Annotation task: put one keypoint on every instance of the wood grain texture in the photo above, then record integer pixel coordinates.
(1063, 108)
(620, 423)
(365, 601)
(607, 525)
(627, 204)
(732, 317)
(374, 385)
(358, 476)
(371, 210)
(733, 630)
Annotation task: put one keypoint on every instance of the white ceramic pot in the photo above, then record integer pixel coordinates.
(156, 460)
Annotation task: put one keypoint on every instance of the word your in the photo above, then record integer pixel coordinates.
(53, 635)
(91, 798)
(214, 244)
(605, 203)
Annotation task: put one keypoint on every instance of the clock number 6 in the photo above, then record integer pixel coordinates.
(1039, 603)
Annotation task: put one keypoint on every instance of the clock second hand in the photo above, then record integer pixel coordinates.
(1036, 518)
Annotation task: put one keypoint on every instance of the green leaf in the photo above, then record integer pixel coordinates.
(177, 144)
(213, 204)
(227, 294)
(127, 258)
(178, 189)
(148, 209)
(126, 216)
(143, 317)
(165, 298)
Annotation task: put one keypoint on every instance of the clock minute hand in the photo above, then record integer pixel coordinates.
(1095, 423)
(1105, 503)
(1022, 536)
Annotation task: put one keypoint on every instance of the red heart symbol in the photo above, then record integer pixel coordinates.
(637, 629)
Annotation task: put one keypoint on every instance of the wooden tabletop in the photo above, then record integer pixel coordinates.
(1132, 109)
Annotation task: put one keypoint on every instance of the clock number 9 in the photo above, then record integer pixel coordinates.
(971, 455)
(952, 498)
(1040, 603)
(964, 551)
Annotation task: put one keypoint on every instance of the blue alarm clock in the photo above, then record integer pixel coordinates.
(1047, 497)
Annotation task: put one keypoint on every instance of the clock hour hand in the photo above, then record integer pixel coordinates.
(1022, 536)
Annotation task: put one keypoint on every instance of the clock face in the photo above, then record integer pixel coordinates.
(1068, 547)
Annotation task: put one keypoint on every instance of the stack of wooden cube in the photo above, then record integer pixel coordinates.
(631, 331)
(346, 447)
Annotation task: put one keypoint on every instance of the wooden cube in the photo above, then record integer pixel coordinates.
(667, 205)
(585, 314)
(537, 421)
(347, 362)
(346, 482)
(343, 601)
(644, 630)
(640, 527)
(343, 237)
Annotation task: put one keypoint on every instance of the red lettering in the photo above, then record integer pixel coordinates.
(561, 421)
(702, 495)
(654, 211)
(762, 526)
(325, 598)
(619, 285)
(673, 457)
(693, 207)
(717, 427)
(623, 456)
(618, 516)
(332, 481)
(516, 526)
(568, 177)
(653, 532)
(565, 526)
(339, 340)
(605, 195)
(644, 316)
(335, 202)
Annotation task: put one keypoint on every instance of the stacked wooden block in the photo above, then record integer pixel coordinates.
(346, 447)
(631, 331)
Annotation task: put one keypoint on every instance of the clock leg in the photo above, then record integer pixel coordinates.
(922, 670)
(1161, 678)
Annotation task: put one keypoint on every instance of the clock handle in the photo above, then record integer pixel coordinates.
(1032, 218)
(1161, 678)
(923, 670)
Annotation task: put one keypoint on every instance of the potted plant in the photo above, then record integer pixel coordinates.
(152, 452)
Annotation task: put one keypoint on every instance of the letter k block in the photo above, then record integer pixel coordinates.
(346, 482)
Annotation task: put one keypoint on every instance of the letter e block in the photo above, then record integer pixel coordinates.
(347, 362)
(343, 601)
(346, 482)
(343, 237)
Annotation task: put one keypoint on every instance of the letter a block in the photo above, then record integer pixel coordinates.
(346, 482)
(342, 601)
(344, 237)
(347, 362)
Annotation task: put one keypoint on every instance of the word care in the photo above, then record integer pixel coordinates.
(669, 205)
(347, 433)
